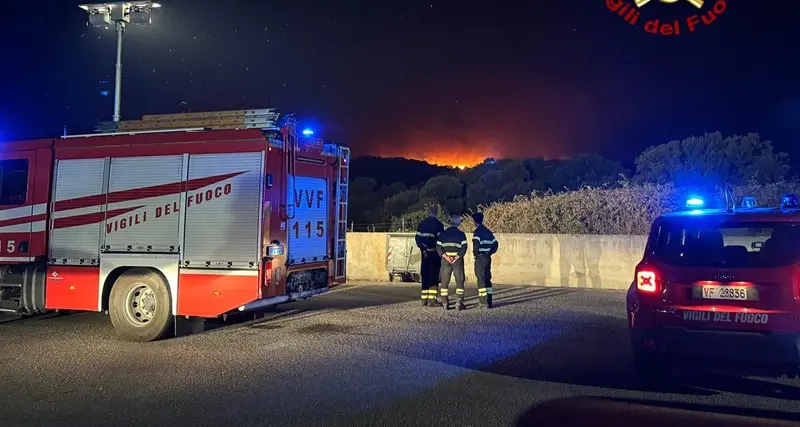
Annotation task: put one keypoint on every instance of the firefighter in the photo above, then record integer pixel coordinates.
(484, 245)
(427, 235)
(452, 246)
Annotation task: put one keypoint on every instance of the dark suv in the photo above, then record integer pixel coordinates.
(719, 289)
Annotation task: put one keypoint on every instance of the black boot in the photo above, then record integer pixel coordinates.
(460, 306)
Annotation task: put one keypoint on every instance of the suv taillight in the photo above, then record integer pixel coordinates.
(796, 283)
(647, 280)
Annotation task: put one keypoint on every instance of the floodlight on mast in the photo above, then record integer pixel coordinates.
(119, 15)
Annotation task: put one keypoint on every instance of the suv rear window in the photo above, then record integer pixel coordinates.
(731, 245)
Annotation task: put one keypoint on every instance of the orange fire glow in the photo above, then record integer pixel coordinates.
(452, 154)
(454, 160)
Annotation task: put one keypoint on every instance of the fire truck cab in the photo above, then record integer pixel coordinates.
(184, 215)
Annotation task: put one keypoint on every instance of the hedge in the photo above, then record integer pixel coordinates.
(625, 210)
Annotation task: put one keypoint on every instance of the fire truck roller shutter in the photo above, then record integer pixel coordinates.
(223, 210)
(77, 211)
(308, 230)
(150, 186)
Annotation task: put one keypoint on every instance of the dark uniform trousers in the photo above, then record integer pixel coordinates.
(455, 269)
(452, 243)
(431, 265)
(427, 239)
(483, 274)
(484, 246)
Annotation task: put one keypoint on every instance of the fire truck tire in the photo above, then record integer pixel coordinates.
(140, 306)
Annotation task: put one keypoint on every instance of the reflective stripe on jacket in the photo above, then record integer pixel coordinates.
(452, 242)
(428, 233)
(483, 242)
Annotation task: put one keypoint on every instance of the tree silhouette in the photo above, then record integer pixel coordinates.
(403, 190)
(442, 188)
(364, 202)
(712, 159)
(400, 203)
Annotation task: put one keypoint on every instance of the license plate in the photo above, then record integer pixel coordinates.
(738, 293)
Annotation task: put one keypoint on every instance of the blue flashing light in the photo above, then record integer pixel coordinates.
(308, 132)
(790, 201)
(695, 202)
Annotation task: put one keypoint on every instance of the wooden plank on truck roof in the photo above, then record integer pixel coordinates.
(183, 123)
(215, 120)
(211, 114)
(190, 116)
(173, 124)
(264, 118)
(215, 124)
(245, 126)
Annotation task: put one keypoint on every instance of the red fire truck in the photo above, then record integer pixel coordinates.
(173, 216)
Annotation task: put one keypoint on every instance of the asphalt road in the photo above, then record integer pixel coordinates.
(359, 355)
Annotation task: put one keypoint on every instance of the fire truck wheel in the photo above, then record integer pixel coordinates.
(139, 306)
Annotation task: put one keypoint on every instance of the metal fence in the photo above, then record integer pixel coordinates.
(383, 227)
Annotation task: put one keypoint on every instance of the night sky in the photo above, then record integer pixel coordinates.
(451, 82)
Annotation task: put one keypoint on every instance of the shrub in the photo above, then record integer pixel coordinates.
(409, 222)
(629, 209)
(626, 210)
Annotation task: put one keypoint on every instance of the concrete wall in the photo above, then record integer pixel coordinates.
(582, 261)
